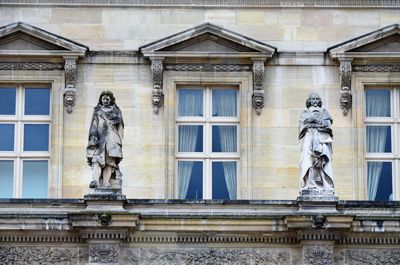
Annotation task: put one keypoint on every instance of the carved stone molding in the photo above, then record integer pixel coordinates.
(377, 68)
(70, 69)
(35, 66)
(157, 69)
(104, 253)
(207, 256)
(258, 89)
(38, 255)
(345, 70)
(372, 256)
(208, 67)
(318, 254)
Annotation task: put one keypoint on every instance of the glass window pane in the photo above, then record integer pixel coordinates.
(190, 178)
(378, 102)
(190, 102)
(34, 179)
(37, 101)
(190, 138)
(224, 102)
(379, 181)
(224, 184)
(36, 137)
(379, 139)
(7, 101)
(6, 137)
(6, 178)
(224, 138)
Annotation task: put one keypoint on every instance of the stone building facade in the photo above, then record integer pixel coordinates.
(215, 180)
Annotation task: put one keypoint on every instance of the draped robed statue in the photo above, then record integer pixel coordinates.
(104, 150)
(316, 137)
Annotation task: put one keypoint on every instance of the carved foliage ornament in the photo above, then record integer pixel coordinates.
(345, 70)
(258, 80)
(318, 255)
(157, 75)
(38, 255)
(207, 256)
(208, 67)
(36, 66)
(372, 256)
(104, 253)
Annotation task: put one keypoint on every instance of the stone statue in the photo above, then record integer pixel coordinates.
(315, 134)
(104, 150)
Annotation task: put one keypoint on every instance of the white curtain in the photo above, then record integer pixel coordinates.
(224, 103)
(230, 178)
(190, 102)
(378, 105)
(184, 172)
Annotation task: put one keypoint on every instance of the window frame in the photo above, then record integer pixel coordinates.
(243, 82)
(20, 119)
(56, 82)
(208, 157)
(365, 82)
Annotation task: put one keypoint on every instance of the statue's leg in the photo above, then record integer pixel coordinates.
(107, 171)
(95, 175)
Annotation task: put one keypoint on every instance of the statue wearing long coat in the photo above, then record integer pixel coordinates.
(315, 134)
(107, 125)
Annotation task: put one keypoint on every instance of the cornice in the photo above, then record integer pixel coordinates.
(213, 3)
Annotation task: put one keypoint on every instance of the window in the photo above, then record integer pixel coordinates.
(25, 123)
(207, 147)
(382, 122)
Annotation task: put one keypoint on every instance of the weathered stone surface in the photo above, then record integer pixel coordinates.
(38, 255)
(206, 256)
(372, 256)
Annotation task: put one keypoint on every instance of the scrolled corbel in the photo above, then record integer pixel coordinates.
(345, 70)
(157, 69)
(258, 82)
(70, 69)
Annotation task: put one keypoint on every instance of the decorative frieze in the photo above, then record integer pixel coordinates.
(38, 255)
(70, 69)
(207, 256)
(157, 69)
(104, 253)
(318, 254)
(208, 67)
(372, 256)
(345, 70)
(35, 66)
(377, 68)
(258, 83)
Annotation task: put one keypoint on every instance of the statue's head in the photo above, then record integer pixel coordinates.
(314, 100)
(258, 99)
(106, 99)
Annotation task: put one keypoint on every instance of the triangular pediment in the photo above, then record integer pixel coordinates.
(207, 39)
(24, 39)
(385, 41)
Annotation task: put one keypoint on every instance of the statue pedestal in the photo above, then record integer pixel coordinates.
(103, 198)
(314, 200)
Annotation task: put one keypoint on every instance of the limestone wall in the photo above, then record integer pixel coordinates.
(275, 152)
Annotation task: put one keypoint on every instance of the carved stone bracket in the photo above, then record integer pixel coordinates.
(70, 80)
(258, 81)
(157, 69)
(345, 70)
